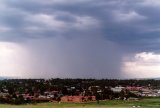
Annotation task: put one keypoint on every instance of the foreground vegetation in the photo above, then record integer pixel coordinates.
(144, 103)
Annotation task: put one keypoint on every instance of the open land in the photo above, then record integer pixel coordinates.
(144, 103)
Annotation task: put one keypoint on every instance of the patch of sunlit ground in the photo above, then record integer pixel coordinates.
(145, 103)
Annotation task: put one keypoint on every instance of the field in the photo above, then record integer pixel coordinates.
(145, 103)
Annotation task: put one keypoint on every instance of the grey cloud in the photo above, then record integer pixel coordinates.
(141, 18)
(90, 32)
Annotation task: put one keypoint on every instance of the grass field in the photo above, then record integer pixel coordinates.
(145, 103)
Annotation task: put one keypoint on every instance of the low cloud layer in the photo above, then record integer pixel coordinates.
(146, 64)
(82, 38)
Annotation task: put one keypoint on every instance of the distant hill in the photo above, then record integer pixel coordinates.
(157, 78)
(2, 78)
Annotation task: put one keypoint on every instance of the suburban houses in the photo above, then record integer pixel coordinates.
(18, 91)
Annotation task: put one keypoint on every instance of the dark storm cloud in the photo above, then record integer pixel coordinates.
(87, 33)
(120, 21)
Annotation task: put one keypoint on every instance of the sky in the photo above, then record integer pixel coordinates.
(112, 39)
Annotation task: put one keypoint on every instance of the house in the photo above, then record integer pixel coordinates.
(3, 94)
(133, 88)
(117, 89)
(78, 98)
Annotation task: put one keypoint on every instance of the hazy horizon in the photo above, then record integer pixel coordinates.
(112, 39)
